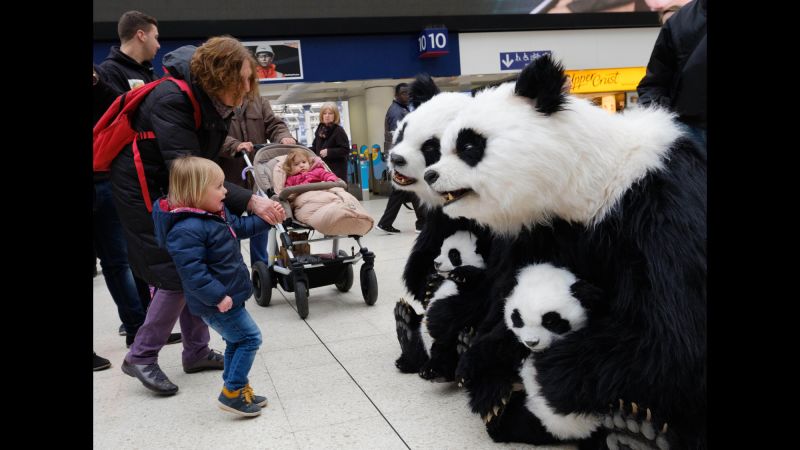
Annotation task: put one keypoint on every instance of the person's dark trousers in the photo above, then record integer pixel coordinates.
(165, 309)
(396, 200)
(258, 247)
(112, 250)
(144, 291)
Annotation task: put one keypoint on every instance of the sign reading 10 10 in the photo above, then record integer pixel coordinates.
(433, 42)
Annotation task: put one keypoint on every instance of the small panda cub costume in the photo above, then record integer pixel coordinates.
(547, 304)
(449, 307)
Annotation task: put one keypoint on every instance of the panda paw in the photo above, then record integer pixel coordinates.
(433, 282)
(412, 348)
(431, 374)
(465, 340)
(440, 367)
(462, 274)
(630, 426)
(464, 371)
(434, 279)
(502, 396)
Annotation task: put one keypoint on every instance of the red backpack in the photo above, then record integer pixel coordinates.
(113, 131)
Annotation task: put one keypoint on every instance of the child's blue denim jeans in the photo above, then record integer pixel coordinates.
(242, 338)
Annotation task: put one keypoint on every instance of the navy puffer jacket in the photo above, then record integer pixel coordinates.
(206, 252)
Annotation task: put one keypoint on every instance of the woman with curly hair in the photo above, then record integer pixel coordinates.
(220, 73)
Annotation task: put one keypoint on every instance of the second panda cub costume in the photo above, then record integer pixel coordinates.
(547, 304)
(456, 303)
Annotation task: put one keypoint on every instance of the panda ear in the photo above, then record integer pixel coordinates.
(542, 80)
(589, 295)
(422, 89)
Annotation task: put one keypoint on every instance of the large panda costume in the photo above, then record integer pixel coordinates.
(618, 200)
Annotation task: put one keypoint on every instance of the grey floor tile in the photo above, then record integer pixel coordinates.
(337, 404)
(367, 434)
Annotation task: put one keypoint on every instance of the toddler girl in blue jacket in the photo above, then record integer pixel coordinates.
(201, 236)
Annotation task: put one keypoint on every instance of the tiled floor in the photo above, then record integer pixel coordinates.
(330, 380)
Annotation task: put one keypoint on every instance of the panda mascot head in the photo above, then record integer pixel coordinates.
(548, 303)
(416, 139)
(524, 153)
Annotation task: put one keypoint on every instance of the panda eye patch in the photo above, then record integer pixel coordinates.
(431, 150)
(555, 323)
(470, 146)
(516, 319)
(455, 257)
(400, 134)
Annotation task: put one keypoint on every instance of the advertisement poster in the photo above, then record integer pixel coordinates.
(277, 60)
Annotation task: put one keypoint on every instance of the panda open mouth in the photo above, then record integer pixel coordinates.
(453, 196)
(401, 179)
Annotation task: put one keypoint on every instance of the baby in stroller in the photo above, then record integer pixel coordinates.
(302, 169)
(315, 197)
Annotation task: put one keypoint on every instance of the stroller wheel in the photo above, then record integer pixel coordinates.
(301, 298)
(369, 286)
(345, 282)
(262, 283)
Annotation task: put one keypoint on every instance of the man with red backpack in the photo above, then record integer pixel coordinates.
(126, 67)
(220, 73)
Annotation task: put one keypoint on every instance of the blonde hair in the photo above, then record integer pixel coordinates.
(287, 163)
(189, 177)
(329, 106)
(216, 67)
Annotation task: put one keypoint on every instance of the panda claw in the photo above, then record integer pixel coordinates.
(648, 431)
(634, 409)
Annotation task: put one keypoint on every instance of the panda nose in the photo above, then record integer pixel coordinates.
(532, 343)
(431, 176)
(437, 264)
(397, 160)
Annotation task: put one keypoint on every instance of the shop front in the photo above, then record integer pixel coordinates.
(610, 89)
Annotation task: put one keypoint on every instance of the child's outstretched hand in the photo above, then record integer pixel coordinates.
(225, 304)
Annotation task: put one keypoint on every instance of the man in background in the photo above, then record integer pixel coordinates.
(397, 110)
(128, 66)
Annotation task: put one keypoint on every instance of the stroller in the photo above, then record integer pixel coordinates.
(299, 273)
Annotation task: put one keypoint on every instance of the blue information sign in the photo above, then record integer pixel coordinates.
(518, 60)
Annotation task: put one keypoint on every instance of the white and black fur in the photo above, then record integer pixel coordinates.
(415, 147)
(534, 161)
(416, 139)
(618, 200)
(547, 304)
(459, 302)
